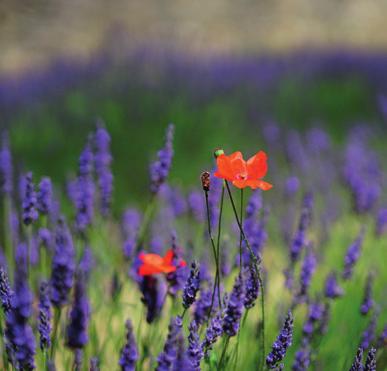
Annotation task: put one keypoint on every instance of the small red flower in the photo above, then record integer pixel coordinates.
(243, 173)
(154, 264)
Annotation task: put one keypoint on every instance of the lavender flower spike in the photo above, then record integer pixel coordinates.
(352, 256)
(307, 270)
(368, 302)
(129, 352)
(195, 351)
(63, 265)
(283, 342)
(214, 331)
(169, 353)
(5, 291)
(252, 288)
(44, 197)
(332, 288)
(76, 334)
(18, 333)
(159, 169)
(5, 167)
(103, 161)
(44, 325)
(84, 190)
(192, 286)
(357, 364)
(370, 364)
(368, 335)
(234, 308)
(29, 200)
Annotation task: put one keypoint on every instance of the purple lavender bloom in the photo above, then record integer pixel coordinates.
(382, 341)
(29, 200)
(45, 238)
(78, 358)
(368, 302)
(5, 291)
(103, 161)
(370, 364)
(302, 359)
(77, 329)
(129, 352)
(315, 316)
(87, 262)
(181, 362)
(131, 220)
(153, 295)
(197, 206)
(352, 256)
(318, 140)
(252, 287)
(381, 222)
(332, 288)
(94, 364)
(44, 196)
(63, 265)
(271, 133)
(323, 323)
(368, 335)
(202, 306)
(357, 364)
(213, 332)
(159, 169)
(174, 198)
(176, 279)
(191, 286)
(307, 270)
(5, 167)
(84, 190)
(283, 342)
(19, 336)
(167, 357)
(44, 325)
(195, 350)
(292, 185)
(299, 240)
(234, 308)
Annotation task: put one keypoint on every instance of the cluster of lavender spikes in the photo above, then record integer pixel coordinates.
(72, 263)
(283, 342)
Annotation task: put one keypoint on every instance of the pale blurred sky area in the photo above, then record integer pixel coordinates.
(34, 31)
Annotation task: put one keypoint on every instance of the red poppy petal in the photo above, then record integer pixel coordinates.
(168, 257)
(239, 168)
(224, 170)
(168, 269)
(257, 165)
(240, 183)
(147, 270)
(254, 184)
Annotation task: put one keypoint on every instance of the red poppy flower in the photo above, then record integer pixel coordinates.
(154, 264)
(243, 173)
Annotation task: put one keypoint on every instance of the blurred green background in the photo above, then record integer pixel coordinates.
(141, 65)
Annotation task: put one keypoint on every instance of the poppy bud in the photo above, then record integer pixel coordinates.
(205, 178)
(218, 152)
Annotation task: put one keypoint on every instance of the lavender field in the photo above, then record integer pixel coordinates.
(173, 213)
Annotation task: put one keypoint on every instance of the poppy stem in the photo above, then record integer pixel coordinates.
(256, 262)
(240, 234)
(218, 244)
(213, 249)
